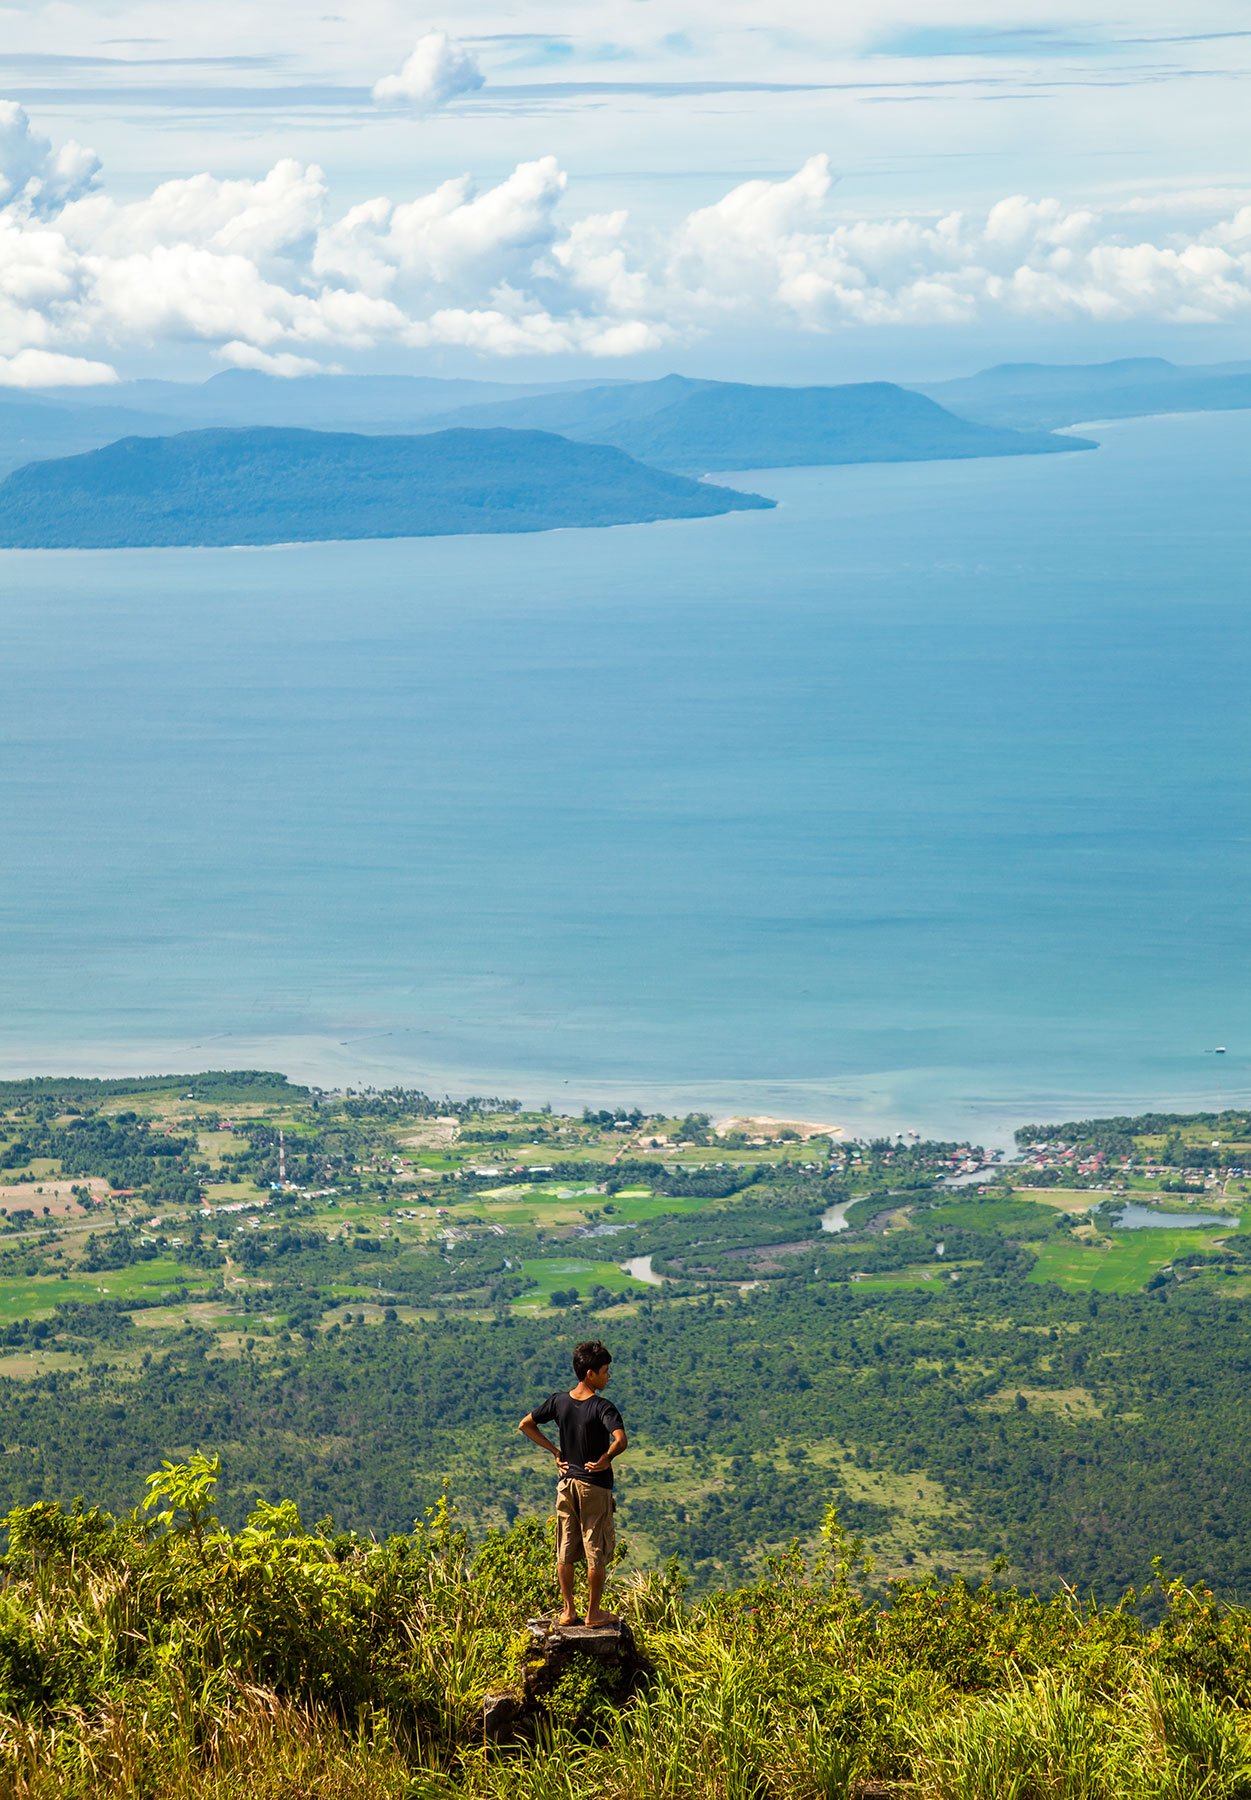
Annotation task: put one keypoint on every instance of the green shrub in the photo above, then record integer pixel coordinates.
(159, 1655)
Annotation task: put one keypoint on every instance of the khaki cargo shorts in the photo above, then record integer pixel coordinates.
(584, 1523)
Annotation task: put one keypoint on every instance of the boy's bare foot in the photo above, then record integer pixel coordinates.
(598, 1620)
(569, 1618)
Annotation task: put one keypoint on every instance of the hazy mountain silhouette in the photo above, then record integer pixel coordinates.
(703, 425)
(1049, 394)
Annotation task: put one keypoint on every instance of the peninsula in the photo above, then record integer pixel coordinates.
(699, 426)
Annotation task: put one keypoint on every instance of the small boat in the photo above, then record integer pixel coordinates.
(1219, 1050)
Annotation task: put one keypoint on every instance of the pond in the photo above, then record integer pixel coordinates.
(1133, 1217)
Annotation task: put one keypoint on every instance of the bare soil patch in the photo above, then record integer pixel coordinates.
(54, 1195)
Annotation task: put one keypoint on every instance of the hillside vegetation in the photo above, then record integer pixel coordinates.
(355, 1296)
(158, 1654)
(263, 485)
(677, 423)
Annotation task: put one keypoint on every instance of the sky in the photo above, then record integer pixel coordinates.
(907, 188)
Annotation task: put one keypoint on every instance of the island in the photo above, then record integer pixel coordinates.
(272, 485)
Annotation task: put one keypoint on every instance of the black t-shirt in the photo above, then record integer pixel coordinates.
(586, 1428)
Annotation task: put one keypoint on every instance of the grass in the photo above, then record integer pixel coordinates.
(914, 1277)
(349, 1210)
(1067, 1403)
(38, 1296)
(216, 1192)
(211, 1146)
(987, 1215)
(23, 1365)
(924, 1518)
(1070, 1200)
(553, 1273)
(184, 1661)
(544, 1207)
(1121, 1264)
(637, 1206)
(537, 1208)
(208, 1314)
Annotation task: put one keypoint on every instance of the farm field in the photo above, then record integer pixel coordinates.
(1122, 1265)
(38, 1297)
(558, 1274)
(355, 1294)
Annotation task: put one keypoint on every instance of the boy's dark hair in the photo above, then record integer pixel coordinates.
(591, 1355)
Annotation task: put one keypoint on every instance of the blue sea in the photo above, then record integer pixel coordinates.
(920, 802)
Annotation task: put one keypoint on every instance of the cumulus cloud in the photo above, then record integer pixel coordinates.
(34, 175)
(272, 222)
(774, 248)
(437, 71)
(457, 238)
(266, 274)
(283, 363)
(46, 368)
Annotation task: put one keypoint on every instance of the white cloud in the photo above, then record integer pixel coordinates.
(775, 249)
(437, 71)
(272, 222)
(457, 242)
(45, 368)
(513, 329)
(265, 274)
(283, 363)
(32, 174)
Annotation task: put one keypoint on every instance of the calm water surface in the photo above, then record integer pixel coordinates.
(1148, 1218)
(919, 802)
(834, 1218)
(641, 1269)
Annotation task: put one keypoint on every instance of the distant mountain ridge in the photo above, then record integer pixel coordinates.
(693, 426)
(1045, 395)
(268, 485)
(677, 423)
(33, 426)
(316, 402)
(39, 423)
(701, 426)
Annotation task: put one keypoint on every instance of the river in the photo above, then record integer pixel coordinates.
(641, 1269)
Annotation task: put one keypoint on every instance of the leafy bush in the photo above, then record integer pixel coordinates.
(158, 1654)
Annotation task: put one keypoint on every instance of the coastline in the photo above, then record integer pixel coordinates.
(950, 1105)
(597, 883)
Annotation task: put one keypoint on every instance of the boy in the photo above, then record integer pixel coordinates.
(591, 1437)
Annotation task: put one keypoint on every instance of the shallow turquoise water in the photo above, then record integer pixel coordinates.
(919, 802)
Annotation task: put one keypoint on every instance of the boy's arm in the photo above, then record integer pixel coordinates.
(529, 1429)
(619, 1443)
